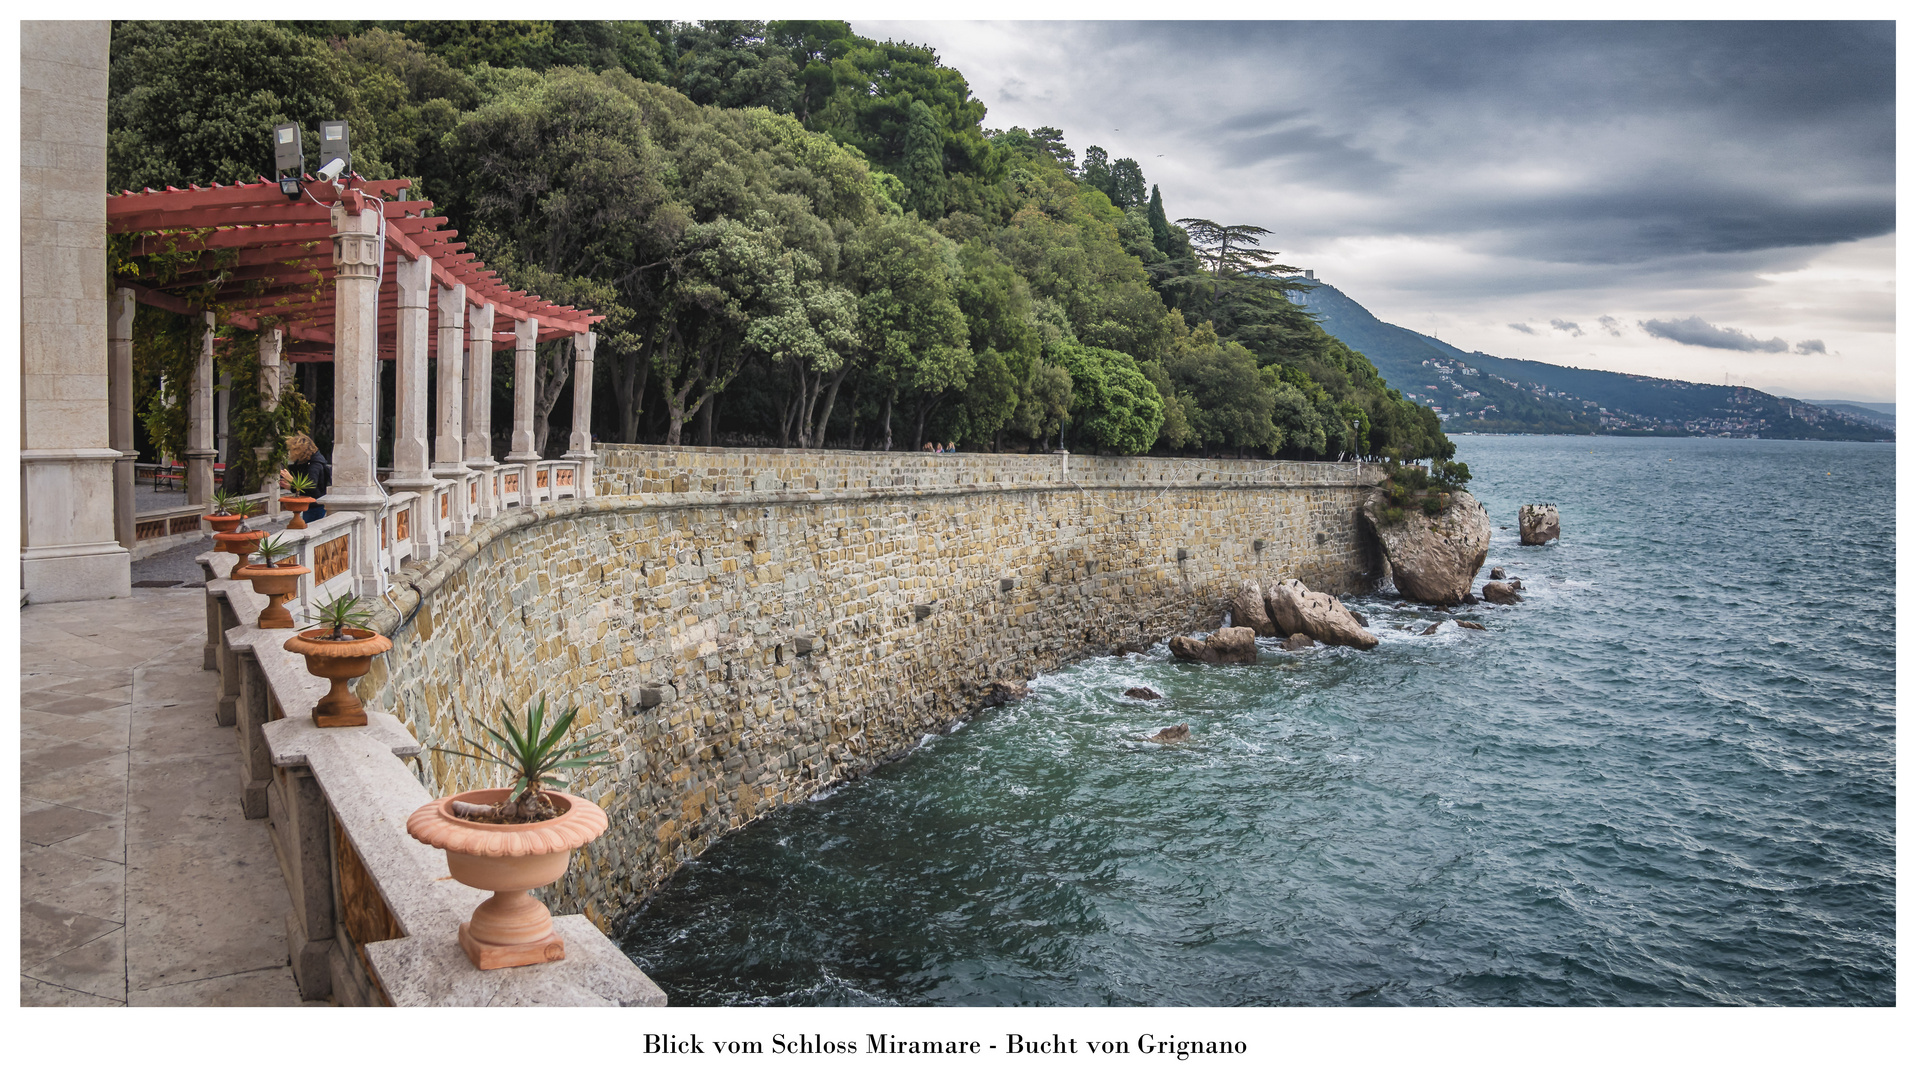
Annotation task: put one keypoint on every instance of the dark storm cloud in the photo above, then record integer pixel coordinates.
(1814, 345)
(1593, 143)
(1567, 327)
(1694, 331)
(1611, 324)
(1521, 328)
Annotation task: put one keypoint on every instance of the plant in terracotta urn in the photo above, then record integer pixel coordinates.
(229, 511)
(511, 840)
(300, 500)
(340, 646)
(276, 577)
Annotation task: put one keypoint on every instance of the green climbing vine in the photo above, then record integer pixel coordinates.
(166, 349)
(250, 425)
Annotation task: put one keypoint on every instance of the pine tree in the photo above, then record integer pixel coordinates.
(1160, 225)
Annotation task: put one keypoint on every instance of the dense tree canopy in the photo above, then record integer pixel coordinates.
(798, 235)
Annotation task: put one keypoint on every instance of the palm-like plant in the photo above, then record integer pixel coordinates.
(227, 503)
(532, 754)
(300, 484)
(342, 611)
(272, 549)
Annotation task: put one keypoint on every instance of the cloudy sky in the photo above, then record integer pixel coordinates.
(1681, 199)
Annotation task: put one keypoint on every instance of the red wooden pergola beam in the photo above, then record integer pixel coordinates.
(265, 192)
(135, 219)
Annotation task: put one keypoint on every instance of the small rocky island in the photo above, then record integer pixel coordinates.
(1537, 524)
(1434, 541)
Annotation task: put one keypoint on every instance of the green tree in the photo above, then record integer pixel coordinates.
(1126, 188)
(912, 331)
(1225, 398)
(1160, 225)
(924, 165)
(1113, 405)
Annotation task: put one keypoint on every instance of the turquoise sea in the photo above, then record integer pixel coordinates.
(1668, 777)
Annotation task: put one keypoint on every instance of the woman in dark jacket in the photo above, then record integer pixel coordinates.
(304, 459)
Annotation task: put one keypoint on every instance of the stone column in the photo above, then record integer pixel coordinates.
(411, 430)
(449, 451)
(222, 408)
(356, 391)
(67, 550)
(525, 387)
(199, 452)
(479, 406)
(119, 407)
(270, 342)
(579, 447)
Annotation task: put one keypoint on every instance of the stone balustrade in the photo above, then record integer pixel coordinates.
(375, 916)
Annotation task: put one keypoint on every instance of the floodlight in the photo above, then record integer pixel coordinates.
(289, 156)
(335, 146)
(289, 150)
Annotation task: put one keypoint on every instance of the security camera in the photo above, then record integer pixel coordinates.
(332, 169)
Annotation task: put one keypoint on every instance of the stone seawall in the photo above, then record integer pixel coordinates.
(751, 627)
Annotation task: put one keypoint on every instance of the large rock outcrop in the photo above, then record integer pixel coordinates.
(1297, 610)
(1537, 524)
(1247, 609)
(1231, 645)
(1433, 560)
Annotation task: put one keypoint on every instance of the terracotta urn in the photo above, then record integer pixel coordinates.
(512, 929)
(222, 523)
(298, 504)
(276, 583)
(340, 660)
(241, 544)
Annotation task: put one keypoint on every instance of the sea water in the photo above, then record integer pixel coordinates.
(1666, 777)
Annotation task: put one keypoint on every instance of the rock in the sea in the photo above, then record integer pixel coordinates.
(1174, 733)
(1361, 621)
(1005, 690)
(1247, 609)
(1432, 559)
(1143, 693)
(1297, 610)
(1130, 647)
(1516, 583)
(1537, 524)
(1429, 630)
(1298, 641)
(1500, 592)
(1231, 645)
(1496, 573)
(1468, 625)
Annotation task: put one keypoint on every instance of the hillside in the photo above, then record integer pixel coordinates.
(1475, 391)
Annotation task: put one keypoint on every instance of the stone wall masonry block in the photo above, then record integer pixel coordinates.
(255, 712)
(302, 839)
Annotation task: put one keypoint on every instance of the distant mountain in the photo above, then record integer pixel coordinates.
(1475, 391)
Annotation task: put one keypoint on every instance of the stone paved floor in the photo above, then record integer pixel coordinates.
(140, 882)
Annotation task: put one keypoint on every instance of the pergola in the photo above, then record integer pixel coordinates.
(356, 273)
